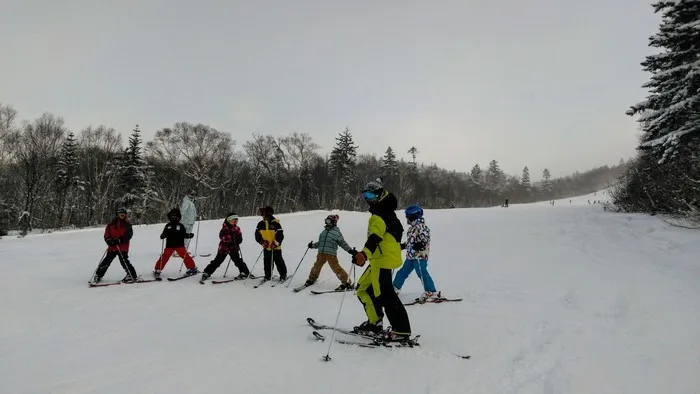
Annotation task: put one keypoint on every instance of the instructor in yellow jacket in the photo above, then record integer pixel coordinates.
(383, 251)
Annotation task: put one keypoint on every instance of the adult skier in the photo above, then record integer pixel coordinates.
(117, 235)
(328, 241)
(230, 239)
(189, 214)
(383, 251)
(418, 248)
(174, 234)
(268, 233)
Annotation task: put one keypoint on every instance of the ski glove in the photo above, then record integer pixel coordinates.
(190, 235)
(418, 246)
(311, 245)
(403, 245)
(265, 244)
(359, 259)
(163, 236)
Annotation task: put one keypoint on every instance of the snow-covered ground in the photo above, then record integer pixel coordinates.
(557, 299)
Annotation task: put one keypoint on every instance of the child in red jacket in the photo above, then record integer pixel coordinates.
(174, 235)
(230, 239)
(117, 235)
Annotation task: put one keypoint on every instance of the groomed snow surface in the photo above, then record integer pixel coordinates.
(557, 299)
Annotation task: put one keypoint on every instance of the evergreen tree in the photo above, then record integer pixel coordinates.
(133, 190)
(390, 170)
(547, 185)
(413, 152)
(68, 179)
(670, 116)
(477, 175)
(494, 178)
(342, 165)
(525, 179)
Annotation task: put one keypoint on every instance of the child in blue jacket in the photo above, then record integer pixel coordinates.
(418, 248)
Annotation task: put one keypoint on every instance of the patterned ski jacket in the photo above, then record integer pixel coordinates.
(418, 240)
(329, 240)
(230, 238)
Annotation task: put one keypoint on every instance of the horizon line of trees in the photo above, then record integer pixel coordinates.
(52, 178)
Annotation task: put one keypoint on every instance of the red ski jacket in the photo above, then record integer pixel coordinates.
(118, 230)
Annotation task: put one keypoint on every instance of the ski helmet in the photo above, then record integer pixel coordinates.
(121, 210)
(175, 214)
(332, 220)
(414, 212)
(373, 190)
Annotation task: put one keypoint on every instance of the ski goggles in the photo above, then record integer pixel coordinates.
(232, 219)
(369, 196)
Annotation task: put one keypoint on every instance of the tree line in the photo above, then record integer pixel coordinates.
(52, 178)
(664, 177)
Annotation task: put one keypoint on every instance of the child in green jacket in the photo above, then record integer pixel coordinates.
(327, 245)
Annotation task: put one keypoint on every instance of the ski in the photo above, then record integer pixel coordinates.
(278, 283)
(376, 342)
(417, 301)
(180, 277)
(205, 255)
(329, 291)
(235, 279)
(104, 284)
(119, 283)
(317, 326)
(300, 288)
(262, 282)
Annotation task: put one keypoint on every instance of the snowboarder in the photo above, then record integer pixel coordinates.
(230, 239)
(174, 234)
(268, 233)
(328, 241)
(117, 235)
(382, 249)
(418, 248)
(189, 214)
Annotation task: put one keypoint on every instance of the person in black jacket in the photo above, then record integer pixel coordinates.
(174, 235)
(268, 233)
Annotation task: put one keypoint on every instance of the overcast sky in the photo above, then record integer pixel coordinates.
(542, 83)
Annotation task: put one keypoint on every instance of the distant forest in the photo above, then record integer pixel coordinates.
(51, 178)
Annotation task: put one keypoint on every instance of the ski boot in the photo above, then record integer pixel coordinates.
(156, 275)
(192, 271)
(370, 329)
(205, 276)
(344, 287)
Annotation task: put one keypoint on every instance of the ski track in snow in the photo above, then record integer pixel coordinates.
(557, 299)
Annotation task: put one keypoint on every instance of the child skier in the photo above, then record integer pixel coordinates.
(268, 233)
(327, 245)
(117, 235)
(230, 239)
(174, 235)
(418, 248)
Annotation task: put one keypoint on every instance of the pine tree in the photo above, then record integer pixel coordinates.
(413, 152)
(390, 170)
(494, 178)
(68, 179)
(133, 190)
(670, 116)
(477, 175)
(525, 179)
(342, 165)
(547, 185)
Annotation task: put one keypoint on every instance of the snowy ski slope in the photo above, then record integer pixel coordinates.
(557, 299)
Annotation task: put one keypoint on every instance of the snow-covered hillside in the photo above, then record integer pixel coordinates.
(557, 299)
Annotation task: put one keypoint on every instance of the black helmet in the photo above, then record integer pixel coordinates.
(175, 214)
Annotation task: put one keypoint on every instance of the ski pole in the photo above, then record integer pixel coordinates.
(295, 271)
(123, 263)
(327, 357)
(98, 266)
(162, 252)
(196, 240)
(229, 263)
(254, 264)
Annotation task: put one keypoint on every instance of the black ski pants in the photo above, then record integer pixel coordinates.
(274, 255)
(221, 257)
(387, 302)
(123, 260)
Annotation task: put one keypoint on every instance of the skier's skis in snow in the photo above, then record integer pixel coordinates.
(316, 292)
(376, 342)
(318, 326)
(119, 283)
(235, 279)
(437, 300)
(205, 255)
(181, 277)
(300, 288)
